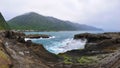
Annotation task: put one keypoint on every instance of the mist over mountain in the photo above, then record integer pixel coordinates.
(35, 21)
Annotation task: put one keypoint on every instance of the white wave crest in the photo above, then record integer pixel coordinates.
(39, 38)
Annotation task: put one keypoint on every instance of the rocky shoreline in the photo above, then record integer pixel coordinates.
(101, 51)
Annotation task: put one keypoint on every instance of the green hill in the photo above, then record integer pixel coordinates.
(3, 24)
(34, 21)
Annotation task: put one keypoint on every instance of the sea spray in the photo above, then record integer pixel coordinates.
(63, 46)
(67, 45)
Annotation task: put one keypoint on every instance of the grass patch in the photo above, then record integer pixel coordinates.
(86, 60)
(3, 55)
(4, 60)
(66, 59)
(83, 60)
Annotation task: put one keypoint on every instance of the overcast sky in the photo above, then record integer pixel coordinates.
(99, 13)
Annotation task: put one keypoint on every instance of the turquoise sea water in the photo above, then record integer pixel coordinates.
(61, 41)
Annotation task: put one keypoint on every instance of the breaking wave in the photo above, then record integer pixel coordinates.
(67, 45)
(63, 46)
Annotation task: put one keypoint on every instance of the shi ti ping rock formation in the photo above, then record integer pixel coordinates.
(3, 24)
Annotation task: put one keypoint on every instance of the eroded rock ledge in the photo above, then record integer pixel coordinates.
(101, 51)
(32, 36)
(100, 41)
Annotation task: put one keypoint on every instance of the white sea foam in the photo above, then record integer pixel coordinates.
(51, 37)
(39, 38)
(27, 39)
(68, 45)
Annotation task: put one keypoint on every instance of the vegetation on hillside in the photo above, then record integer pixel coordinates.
(3, 24)
(34, 21)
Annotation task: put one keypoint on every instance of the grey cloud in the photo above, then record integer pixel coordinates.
(98, 13)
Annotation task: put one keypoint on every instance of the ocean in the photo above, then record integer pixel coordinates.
(61, 41)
